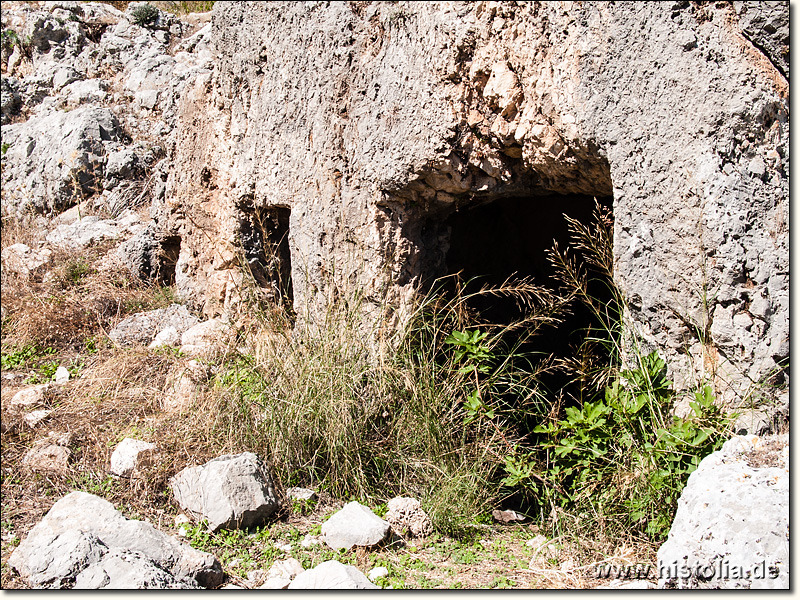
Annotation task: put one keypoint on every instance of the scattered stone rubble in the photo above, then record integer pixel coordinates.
(732, 516)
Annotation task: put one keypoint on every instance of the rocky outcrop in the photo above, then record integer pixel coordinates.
(142, 328)
(21, 259)
(89, 102)
(731, 529)
(357, 133)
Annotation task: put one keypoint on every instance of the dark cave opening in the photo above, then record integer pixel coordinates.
(169, 251)
(264, 235)
(511, 237)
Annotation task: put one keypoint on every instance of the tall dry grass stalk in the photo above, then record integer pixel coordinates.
(328, 412)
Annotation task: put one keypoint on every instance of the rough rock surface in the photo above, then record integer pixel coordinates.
(281, 574)
(231, 491)
(299, 493)
(203, 336)
(90, 230)
(405, 515)
(332, 575)
(123, 570)
(53, 160)
(47, 456)
(183, 384)
(21, 259)
(36, 417)
(128, 455)
(89, 103)
(415, 112)
(731, 529)
(142, 328)
(29, 397)
(354, 525)
(84, 541)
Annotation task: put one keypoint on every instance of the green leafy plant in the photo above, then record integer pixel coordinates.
(624, 453)
(615, 451)
(75, 270)
(24, 356)
(303, 506)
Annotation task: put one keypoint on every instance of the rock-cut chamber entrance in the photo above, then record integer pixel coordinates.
(510, 238)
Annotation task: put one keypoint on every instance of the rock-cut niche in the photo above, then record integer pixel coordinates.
(264, 237)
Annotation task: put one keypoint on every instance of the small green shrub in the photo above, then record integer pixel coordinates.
(624, 453)
(145, 15)
(76, 270)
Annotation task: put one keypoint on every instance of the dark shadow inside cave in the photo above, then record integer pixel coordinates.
(169, 251)
(511, 237)
(264, 235)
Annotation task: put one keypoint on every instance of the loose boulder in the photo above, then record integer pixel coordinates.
(354, 525)
(123, 570)
(128, 455)
(84, 542)
(23, 260)
(203, 336)
(406, 516)
(35, 417)
(332, 575)
(281, 574)
(142, 328)
(45, 456)
(29, 397)
(232, 491)
(731, 529)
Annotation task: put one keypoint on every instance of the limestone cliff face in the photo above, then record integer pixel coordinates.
(367, 124)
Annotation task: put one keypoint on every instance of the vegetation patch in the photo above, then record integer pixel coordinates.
(457, 415)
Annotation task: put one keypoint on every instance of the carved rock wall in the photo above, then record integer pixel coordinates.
(368, 123)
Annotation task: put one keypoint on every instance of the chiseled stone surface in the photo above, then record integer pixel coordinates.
(373, 123)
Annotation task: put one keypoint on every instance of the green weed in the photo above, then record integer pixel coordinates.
(617, 453)
(145, 15)
(24, 356)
